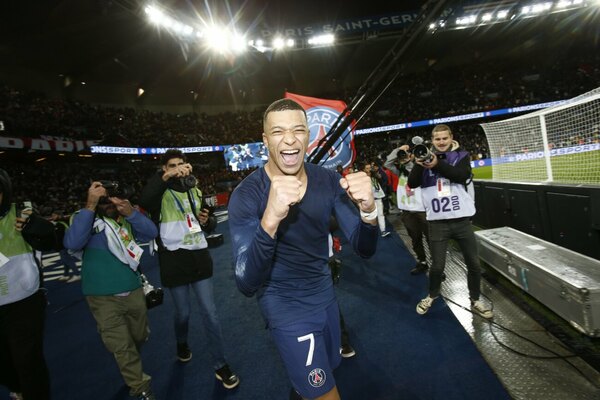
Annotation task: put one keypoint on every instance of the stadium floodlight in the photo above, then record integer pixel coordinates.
(431, 26)
(563, 4)
(154, 14)
(216, 38)
(187, 30)
(238, 43)
(541, 7)
(502, 14)
(278, 43)
(290, 43)
(177, 27)
(321, 40)
(466, 20)
(260, 43)
(486, 17)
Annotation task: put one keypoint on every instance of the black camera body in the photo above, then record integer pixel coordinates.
(154, 296)
(114, 189)
(183, 184)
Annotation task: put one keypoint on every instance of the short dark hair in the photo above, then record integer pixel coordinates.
(170, 154)
(441, 128)
(282, 105)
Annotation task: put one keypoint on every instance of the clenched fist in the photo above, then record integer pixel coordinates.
(359, 189)
(285, 191)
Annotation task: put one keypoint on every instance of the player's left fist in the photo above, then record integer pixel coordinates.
(359, 189)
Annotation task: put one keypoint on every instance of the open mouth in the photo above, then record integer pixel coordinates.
(290, 157)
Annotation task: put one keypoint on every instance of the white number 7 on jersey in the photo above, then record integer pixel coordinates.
(311, 348)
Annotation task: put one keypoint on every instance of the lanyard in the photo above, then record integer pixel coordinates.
(179, 205)
(375, 183)
(119, 231)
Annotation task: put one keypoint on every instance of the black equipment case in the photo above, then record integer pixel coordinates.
(565, 281)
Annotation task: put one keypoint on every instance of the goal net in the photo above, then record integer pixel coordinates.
(557, 144)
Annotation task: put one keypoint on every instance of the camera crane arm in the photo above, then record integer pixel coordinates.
(379, 80)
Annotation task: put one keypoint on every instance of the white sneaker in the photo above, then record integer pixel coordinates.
(424, 305)
(74, 278)
(481, 309)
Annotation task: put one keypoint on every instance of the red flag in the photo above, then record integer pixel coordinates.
(321, 114)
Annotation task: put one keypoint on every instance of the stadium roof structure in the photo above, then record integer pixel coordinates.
(105, 51)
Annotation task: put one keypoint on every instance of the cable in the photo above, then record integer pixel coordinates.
(556, 356)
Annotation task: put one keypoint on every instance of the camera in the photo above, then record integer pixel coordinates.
(402, 155)
(182, 184)
(423, 153)
(24, 209)
(114, 189)
(154, 296)
(420, 150)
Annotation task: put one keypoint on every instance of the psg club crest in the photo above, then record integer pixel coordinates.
(317, 377)
(321, 115)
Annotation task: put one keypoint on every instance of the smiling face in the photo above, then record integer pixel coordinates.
(442, 140)
(286, 136)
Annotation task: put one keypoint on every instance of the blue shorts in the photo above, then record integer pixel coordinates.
(310, 350)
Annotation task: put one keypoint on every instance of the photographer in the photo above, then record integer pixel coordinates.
(107, 230)
(444, 176)
(175, 204)
(401, 162)
(22, 301)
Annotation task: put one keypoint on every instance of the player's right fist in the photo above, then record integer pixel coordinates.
(285, 191)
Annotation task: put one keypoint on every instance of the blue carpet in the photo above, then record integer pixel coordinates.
(400, 355)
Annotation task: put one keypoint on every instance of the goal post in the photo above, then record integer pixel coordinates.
(557, 144)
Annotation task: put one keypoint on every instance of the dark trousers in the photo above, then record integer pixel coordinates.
(417, 227)
(344, 332)
(462, 232)
(22, 365)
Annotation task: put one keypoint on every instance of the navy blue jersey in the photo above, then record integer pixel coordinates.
(289, 273)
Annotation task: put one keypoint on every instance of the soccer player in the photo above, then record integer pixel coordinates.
(279, 221)
(444, 178)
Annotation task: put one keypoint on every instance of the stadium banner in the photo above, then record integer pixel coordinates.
(349, 26)
(458, 118)
(152, 150)
(321, 114)
(536, 155)
(28, 143)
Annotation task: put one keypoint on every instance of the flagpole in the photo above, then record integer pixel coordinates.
(430, 11)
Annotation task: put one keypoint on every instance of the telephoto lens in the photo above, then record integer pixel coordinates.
(422, 153)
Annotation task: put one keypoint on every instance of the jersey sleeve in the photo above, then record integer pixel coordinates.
(253, 248)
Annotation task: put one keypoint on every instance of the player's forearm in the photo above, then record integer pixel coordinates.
(364, 239)
(253, 259)
(362, 236)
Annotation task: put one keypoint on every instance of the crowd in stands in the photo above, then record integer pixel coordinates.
(430, 94)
